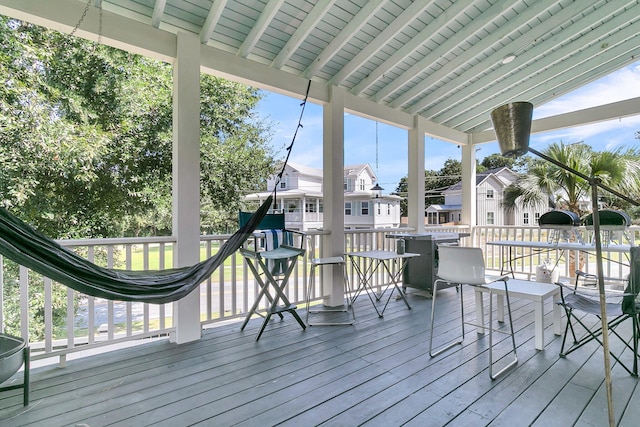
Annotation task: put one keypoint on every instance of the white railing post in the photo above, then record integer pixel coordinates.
(233, 284)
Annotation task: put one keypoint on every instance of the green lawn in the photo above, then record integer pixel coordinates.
(137, 256)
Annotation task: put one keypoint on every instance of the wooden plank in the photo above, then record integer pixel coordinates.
(376, 372)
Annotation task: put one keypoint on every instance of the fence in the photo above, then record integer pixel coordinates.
(65, 321)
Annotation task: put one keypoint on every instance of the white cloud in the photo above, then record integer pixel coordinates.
(617, 86)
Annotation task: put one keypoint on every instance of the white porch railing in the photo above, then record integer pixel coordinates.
(86, 322)
(526, 259)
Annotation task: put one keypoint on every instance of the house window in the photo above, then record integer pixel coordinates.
(490, 218)
(293, 207)
(379, 213)
(361, 184)
(283, 184)
(536, 217)
(347, 208)
(388, 208)
(348, 184)
(364, 209)
(490, 193)
(310, 206)
(320, 206)
(525, 218)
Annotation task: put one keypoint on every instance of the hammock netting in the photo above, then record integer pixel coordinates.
(28, 247)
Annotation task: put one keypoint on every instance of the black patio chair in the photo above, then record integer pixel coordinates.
(579, 300)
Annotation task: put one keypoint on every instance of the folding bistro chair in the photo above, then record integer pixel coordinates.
(578, 301)
(459, 265)
(271, 257)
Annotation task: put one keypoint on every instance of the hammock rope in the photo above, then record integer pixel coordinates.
(30, 248)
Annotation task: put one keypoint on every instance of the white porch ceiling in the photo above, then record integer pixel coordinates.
(440, 59)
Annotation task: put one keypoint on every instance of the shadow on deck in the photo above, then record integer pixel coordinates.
(376, 372)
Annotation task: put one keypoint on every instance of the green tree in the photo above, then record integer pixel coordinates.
(495, 161)
(95, 125)
(435, 183)
(86, 147)
(618, 169)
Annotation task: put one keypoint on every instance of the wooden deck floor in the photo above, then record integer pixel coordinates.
(375, 373)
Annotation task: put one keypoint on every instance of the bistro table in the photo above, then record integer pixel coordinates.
(367, 263)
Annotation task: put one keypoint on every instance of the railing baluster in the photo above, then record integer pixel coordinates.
(236, 288)
(48, 315)
(145, 306)
(161, 257)
(129, 315)
(1, 294)
(91, 307)
(24, 302)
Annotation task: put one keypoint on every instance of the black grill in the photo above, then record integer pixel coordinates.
(559, 219)
(609, 220)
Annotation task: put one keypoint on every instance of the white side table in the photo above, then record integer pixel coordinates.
(537, 292)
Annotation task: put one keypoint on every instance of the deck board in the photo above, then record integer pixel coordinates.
(376, 372)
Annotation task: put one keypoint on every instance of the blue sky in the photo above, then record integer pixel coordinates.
(360, 134)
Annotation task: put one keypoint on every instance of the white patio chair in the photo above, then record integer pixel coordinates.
(465, 266)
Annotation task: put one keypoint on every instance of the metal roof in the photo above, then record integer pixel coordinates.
(445, 60)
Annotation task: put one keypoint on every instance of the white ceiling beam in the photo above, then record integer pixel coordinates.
(303, 30)
(542, 56)
(158, 11)
(602, 113)
(136, 37)
(467, 56)
(238, 69)
(598, 67)
(467, 32)
(420, 39)
(353, 26)
(398, 24)
(212, 20)
(232, 67)
(365, 108)
(443, 92)
(575, 59)
(259, 27)
(117, 31)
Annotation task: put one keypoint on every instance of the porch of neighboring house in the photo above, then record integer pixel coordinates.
(443, 214)
(376, 372)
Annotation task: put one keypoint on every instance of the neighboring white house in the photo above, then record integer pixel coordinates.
(490, 187)
(299, 193)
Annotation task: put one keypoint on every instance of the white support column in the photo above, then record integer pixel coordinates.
(469, 206)
(333, 192)
(415, 190)
(186, 178)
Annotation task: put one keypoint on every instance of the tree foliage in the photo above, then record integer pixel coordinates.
(495, 161)
(618, 169)
(87, 142)
(86, 147)
(435, 183)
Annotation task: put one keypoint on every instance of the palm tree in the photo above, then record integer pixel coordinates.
(618, 169)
